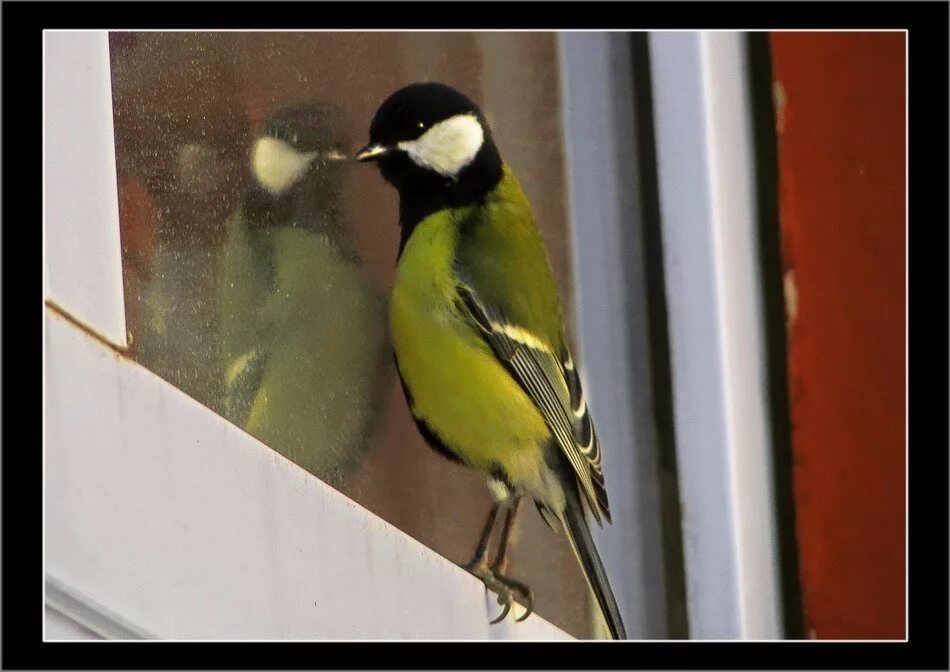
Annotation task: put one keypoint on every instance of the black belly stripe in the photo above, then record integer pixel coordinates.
(497, 471)
(431, 438)
(437, 444)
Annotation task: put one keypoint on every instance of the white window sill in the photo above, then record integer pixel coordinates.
(171, 521)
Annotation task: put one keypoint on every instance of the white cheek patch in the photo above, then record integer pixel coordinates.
(277, 165)
(448, 146)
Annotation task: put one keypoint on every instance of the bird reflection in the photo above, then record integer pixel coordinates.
(302, 332)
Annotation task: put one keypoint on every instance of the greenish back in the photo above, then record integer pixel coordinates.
(501, 248)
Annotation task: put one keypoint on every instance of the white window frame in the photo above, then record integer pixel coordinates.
(82, 259)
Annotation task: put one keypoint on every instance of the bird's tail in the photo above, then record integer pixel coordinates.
(575, 523)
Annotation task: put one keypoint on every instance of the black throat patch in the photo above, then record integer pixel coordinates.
(423, 192)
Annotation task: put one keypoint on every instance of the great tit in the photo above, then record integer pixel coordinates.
(478, 333)
(303, 333)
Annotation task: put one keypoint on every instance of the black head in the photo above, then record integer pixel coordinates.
(433, 144)
(416, 108)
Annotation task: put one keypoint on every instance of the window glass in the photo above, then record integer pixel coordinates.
(278, 322)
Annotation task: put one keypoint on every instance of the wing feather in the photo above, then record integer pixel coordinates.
(551, 381)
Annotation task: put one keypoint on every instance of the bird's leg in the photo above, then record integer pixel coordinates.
(500, 566)
(493, 576)
(478, 565)
(501, 560)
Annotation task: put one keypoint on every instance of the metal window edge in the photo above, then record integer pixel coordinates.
(705, 169)
(600, 145)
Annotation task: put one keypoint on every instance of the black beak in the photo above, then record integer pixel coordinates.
(371, 152)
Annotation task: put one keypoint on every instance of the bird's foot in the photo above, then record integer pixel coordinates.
(504, 588)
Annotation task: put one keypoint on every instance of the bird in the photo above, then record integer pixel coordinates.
(478, 334)
(303, 333)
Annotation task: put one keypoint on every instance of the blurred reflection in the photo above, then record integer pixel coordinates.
(301, 330)
(176, 323)
(138, 229)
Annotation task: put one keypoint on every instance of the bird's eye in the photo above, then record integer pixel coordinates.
(421, 124)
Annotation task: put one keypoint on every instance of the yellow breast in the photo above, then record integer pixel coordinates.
(458, 387)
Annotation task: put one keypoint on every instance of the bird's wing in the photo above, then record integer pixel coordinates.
(549, 377)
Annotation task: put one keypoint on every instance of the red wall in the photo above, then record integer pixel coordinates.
(841, 122)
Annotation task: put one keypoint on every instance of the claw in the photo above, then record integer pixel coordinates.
(529, 598)
(505, 611)
(504, 588)
(524, 591)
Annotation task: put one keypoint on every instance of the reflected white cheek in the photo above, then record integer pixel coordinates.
(448, 146)
(277, 166)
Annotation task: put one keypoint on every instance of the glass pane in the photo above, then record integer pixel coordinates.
(282, 328)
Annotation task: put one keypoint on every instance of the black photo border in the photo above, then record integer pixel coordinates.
(22, 572)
